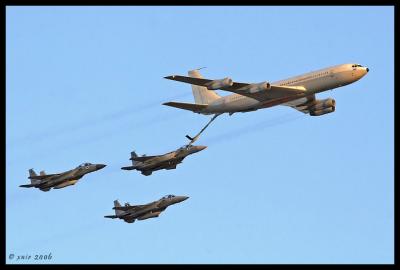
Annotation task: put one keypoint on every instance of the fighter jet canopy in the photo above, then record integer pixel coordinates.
(168, 196)
(84, 164)
(186, 147)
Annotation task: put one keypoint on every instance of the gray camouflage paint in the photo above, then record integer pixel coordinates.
(60, 180)
(130, 213)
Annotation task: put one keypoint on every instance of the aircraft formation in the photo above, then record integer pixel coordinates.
(296, 92)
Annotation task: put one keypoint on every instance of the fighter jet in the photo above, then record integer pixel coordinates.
(129, 213)
(296, 92)
(45, 182)
(148, 164)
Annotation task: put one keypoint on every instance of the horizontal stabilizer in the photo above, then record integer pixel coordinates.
(41, 177)
(142, 158)
(27, 186)
(128, 168)
(124, 207)
(189, 80)
(187, 106)
(111, 216)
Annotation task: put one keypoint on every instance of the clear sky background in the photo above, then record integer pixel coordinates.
(85, 84)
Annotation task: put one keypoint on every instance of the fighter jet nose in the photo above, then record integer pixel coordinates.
(181, 199)
(100, 166)
(201, 147)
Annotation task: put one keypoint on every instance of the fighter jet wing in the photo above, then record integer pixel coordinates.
(143, 158)
(274, 92)
(129, 207)
(42, 177)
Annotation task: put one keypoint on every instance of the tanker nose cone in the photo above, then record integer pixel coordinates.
(100, 166)
(367, 69)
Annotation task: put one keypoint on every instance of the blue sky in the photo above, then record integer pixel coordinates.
(85, 84)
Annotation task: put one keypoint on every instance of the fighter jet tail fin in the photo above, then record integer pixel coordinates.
(200, 93)
(32, 174)
(42, 173)
(117, 204)
(133, 155)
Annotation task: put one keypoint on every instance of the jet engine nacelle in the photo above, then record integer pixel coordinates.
(258, 87)
(218, 84)
(323, 111)
(324, 104)
(65, 184)
(149, 215)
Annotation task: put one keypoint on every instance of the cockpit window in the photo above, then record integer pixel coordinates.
(85, 164)
(168, 196)
(356, 65)
(185, 147)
